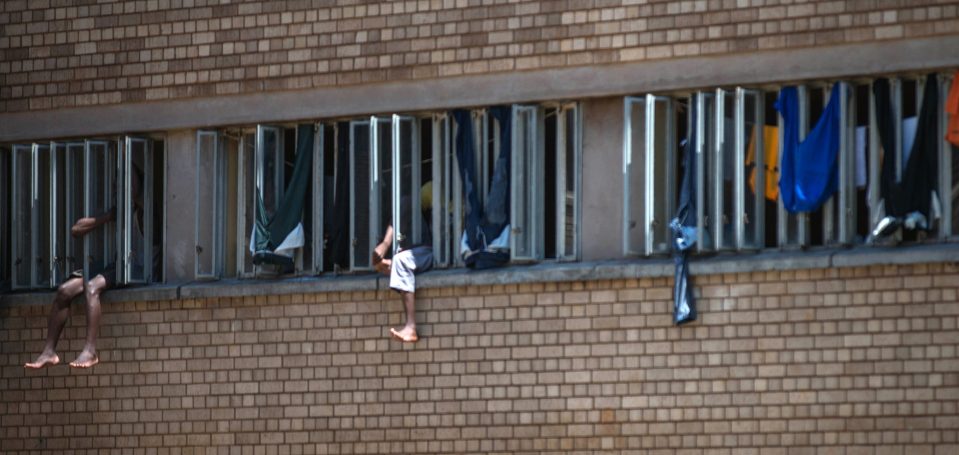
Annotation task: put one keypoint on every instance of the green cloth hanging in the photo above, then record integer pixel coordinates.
(269, 233)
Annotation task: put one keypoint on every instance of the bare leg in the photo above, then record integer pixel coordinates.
(59, 311)
(408, 332)
(88, 357)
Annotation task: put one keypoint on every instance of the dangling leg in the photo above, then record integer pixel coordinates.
(88, 357)
(59, 311)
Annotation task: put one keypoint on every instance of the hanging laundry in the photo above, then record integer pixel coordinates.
(908, 201)
(770, 161)
(809, 168)
(908, 136)
(275, 237)
(952, 108)
(684, 234)
(485, 241)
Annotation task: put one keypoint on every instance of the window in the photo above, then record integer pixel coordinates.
(738, 153)
(649, 151)
(563, 149)
(211, 204)
(238, 168)
(31, 217)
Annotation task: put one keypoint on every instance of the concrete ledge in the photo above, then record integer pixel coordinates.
(765, 67)
(537, 273)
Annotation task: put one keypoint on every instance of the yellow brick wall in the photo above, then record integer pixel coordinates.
(850, 360)
(56, 53)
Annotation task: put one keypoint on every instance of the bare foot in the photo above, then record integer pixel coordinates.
(85, 360)
(407, 335)
(45, 358)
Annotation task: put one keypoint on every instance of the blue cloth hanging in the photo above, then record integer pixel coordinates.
(809, 169)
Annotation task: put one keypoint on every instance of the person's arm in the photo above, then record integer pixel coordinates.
(86, 224)
(380, 251)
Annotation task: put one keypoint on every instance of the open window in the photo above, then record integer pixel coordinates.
(649, 173)
(211, 204)
(370, 187)
(31, 255)
(138, 211)
(447, 194)
(527, 184)
(563, 161)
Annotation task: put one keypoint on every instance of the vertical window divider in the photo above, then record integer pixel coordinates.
(739, 177)
(829, 220)
(945, 153)
(803, 218)
(847, 164)
(441, 194)
(718, 168)
(627, 170)
(16, 247)
(456, 191)
(701, 149)
(56, 244)
(319, 153)
(35, 215)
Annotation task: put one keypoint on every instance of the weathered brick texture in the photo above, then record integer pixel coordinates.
(855, 360)
(58, 53)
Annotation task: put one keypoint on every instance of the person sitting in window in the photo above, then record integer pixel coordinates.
(412, 258)
(103, 278)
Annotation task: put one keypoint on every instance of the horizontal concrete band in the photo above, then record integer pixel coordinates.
(778, 66)
(551, 272)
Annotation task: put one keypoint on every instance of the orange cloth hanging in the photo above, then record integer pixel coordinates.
(771, 158)
(952, 108)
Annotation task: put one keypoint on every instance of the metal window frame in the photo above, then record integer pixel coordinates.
(319, 152)
(16, 247)
(442, 218)
(563, 112)
(216, 221)
(783, 217)
(759, 164)
(354, 266)
(125, 212)
(243, 206)
(397, 180)
(701, 148)
(528, 167)
(716, 176)
(376, 181)
(946, 229)
(650, 199)
(847, 165)
(5, 204)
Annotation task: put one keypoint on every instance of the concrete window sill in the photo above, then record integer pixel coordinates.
(544, 272)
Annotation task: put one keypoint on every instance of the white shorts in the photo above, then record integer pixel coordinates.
(406, 264)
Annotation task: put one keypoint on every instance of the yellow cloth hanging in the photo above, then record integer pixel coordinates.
(771, 146)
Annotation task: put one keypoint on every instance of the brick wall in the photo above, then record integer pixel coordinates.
(56, 53)
(852, 360)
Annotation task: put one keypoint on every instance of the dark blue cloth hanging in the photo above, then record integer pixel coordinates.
(684, 233)
(483, 224)
(466, 162)
(496, 213)
(809, 169)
